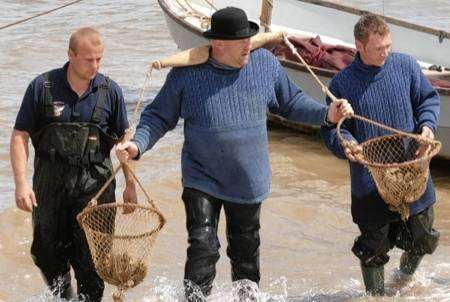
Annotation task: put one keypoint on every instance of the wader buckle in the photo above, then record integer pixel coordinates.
(48, 84)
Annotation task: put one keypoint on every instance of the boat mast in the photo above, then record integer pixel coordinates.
(266, 14)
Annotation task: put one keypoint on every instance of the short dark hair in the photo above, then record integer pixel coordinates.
(89, 33)
(370, 24)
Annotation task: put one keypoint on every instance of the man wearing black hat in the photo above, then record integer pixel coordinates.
(225, 157)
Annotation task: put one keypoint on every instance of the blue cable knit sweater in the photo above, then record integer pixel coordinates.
(397, 94)
(225, 152)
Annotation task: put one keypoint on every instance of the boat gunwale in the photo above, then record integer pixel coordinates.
(440, 33)
(287, 63)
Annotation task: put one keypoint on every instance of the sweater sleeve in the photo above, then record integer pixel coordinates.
(329, 133)
(293, 104)
(425, 99)
(159, 116)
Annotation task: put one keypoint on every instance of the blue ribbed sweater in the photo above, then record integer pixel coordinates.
(397, 94)
(225, 152)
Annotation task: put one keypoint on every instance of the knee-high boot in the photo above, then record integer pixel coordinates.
(373, 279)
(409, 263)
(60, 286)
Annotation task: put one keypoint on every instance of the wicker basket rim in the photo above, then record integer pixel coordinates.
(90, 209)
(436, 148)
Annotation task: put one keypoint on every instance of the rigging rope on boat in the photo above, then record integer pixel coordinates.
(40, 14)
(211, 4)
(192, 12)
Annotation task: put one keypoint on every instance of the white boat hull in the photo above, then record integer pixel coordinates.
(337, 21)
(187, 36)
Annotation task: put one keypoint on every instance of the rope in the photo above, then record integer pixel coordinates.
(191, 11)
(141, 94)
(129, 134)
(94, 200)
(295, 52)
(211, 4)
(40, 14)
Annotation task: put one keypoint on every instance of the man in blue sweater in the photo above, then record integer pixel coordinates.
(389, 88)
(225, 158)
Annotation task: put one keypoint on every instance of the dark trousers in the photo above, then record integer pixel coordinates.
(202, 218)
(416, 236)
(58, 241)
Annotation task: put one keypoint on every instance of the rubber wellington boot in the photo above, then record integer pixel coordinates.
(61, 287)
(409, 263)
(373, 279)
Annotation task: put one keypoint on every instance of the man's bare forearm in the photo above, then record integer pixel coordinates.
(19, 155)
(129, 179)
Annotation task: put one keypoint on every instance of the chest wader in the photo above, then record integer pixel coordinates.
(70, 166)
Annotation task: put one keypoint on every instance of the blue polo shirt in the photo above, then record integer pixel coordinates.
(31, 116)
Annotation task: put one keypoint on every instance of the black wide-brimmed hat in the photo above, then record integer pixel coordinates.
(230, 23)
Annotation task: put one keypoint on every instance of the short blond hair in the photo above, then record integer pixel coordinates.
(370, 24)
(88, 33)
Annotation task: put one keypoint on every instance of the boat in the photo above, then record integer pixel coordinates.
(187, 19)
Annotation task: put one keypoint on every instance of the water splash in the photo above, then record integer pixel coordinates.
(425, 286)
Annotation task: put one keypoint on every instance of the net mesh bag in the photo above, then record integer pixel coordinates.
(120, 238)
(399, 164)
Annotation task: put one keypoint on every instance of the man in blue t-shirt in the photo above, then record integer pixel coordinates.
(389, 88)
(225, 157)
(74, 115)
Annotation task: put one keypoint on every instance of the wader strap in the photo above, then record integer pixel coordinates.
(100, 106)
(93, 144)
(48, 96)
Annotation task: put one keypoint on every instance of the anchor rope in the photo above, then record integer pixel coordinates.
(39, 15)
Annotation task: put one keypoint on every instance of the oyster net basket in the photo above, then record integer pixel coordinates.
(120, 238)
(398, 162)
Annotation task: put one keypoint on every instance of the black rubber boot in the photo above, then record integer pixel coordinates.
(202, 217)
(60, 286)
(243, 240)
(409, 263)
(373, 279)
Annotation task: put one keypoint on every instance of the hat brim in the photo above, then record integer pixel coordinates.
(253, 29)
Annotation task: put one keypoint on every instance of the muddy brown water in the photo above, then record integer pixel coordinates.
(307, 231)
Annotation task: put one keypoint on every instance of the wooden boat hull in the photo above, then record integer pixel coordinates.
(186, 36)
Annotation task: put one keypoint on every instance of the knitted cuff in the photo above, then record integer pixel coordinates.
(326, 122)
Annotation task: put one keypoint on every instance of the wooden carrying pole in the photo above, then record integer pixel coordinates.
(199, 55)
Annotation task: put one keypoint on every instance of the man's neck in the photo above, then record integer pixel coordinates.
(222, 59)
(77, 84)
